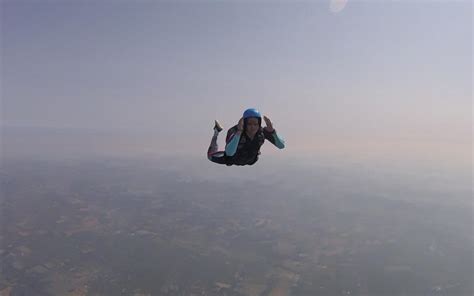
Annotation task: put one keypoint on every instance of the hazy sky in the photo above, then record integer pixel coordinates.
(370, 72)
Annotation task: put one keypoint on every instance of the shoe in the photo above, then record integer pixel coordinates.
(217, 126)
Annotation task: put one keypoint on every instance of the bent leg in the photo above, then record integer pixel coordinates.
(213, 147)
(217, 157)
(213, 153)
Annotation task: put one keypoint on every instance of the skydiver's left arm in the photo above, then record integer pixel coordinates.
(271, 134)
(274, 138)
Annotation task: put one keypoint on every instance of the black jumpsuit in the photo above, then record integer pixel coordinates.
(247, 149)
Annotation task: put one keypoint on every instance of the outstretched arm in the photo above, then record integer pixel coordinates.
(271, 134)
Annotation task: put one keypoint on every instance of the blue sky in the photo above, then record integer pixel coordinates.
(377, 71)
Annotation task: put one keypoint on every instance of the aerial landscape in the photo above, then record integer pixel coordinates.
(134, 228)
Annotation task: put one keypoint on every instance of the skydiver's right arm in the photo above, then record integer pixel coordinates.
(231, 146)
(233, 138)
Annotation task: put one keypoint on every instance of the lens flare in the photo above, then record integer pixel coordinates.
(337, 6)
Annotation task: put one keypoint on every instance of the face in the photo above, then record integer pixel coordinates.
(252, 126)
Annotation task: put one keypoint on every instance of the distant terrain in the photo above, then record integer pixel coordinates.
(130, 227)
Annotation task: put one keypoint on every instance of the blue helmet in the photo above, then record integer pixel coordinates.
(252, 112)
